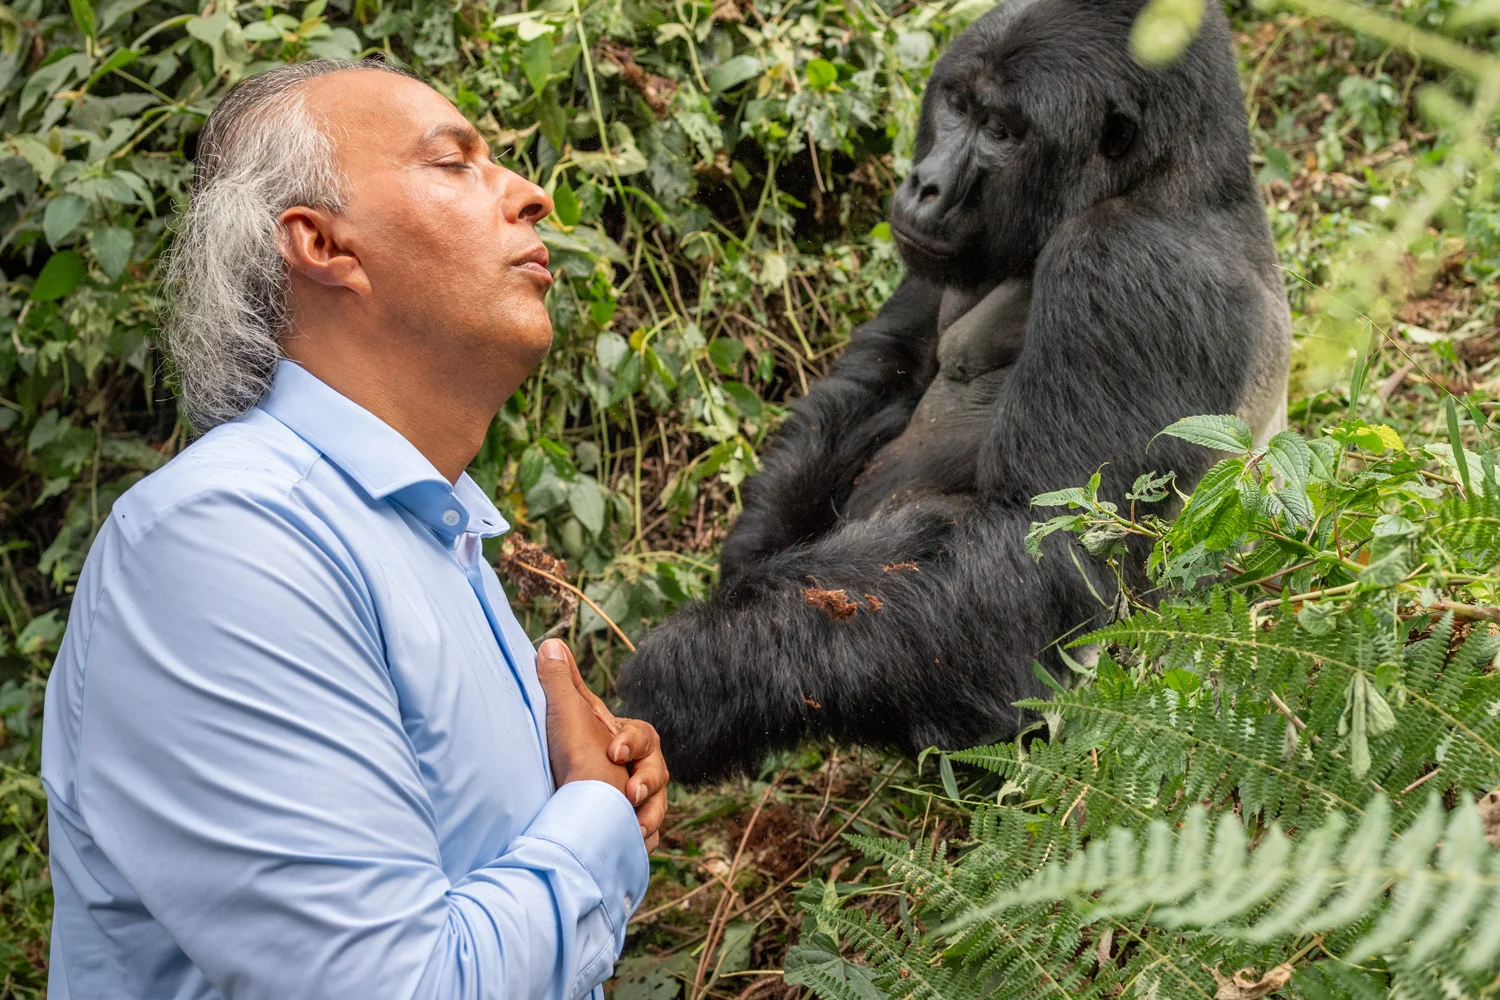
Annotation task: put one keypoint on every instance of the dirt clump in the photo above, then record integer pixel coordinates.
(833, 603)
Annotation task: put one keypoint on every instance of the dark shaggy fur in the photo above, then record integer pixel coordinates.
(876, 588)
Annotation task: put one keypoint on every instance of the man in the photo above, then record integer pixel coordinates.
(296, 744)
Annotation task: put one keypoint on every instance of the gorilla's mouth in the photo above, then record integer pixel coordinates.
(924, 246)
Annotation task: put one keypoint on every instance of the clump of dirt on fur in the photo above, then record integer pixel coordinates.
(833, 603)
(874, 603)
(898, 567)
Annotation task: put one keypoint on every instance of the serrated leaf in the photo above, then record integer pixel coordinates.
(112, 247)
(61, 217)
(1290, 458)
(1222, 432)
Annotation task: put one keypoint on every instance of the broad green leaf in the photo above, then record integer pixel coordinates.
(62, 215)
(726, 353)
(119, 60)
(536, 61)
(112, 247)
(821, 74)
(60, 275)
(610, 349)
(587, 501)
(1222, 432)
(37, 153)
(733, 72)
(83, 16)
(565, 204)
(773, 270)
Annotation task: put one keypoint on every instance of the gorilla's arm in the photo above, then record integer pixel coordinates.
(1135, 323)
(832, 432)
(946, 647)
(932, 641)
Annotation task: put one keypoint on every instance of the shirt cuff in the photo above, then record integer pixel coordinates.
(596, 823)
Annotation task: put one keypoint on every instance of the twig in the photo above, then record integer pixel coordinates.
(585, 598)
(1285, 710)
(642, 917)
(717, 925)
(1064, 820)
(1420, 781)
(771, 892)
(1472, 612)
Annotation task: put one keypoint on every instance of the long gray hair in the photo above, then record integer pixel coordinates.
(259, 153)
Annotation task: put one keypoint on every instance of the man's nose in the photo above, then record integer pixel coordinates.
(523, 201)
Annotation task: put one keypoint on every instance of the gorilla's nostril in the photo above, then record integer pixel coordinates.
(927, 194)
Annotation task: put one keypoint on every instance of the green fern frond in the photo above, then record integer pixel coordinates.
(1470, 529)
(1433, 890)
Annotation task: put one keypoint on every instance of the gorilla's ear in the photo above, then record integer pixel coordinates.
(1120, 128)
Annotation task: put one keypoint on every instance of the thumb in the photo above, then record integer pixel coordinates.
(556, 672)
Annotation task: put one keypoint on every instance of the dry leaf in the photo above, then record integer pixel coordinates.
(1244, 986)
(1489, 813)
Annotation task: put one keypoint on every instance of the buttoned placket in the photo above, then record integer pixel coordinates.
(467, 550)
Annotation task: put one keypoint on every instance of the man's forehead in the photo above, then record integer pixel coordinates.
(359, 104)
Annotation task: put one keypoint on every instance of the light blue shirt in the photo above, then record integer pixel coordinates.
(295, 745)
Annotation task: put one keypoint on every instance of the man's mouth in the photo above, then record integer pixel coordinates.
(535, 265)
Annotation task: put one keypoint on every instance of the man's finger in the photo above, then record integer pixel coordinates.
(650, 814)
(634, 740)
(647, 777)
(652, 841)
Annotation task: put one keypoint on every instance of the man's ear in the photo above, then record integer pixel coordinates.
(310, 244)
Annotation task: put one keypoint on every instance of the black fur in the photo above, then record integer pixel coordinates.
(1124, 197)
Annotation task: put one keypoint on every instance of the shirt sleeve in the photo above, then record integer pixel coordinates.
(244, 766)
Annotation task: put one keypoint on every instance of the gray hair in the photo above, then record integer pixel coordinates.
(259, 153)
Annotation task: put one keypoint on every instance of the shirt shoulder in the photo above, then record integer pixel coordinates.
(253, 459)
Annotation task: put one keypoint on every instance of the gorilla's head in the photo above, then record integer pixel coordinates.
(1038, 112)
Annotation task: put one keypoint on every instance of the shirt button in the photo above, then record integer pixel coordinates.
(450, 517)
(628, 901)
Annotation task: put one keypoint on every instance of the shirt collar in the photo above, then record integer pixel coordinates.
(376, 456)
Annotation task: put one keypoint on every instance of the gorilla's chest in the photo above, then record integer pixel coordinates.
(936, 453)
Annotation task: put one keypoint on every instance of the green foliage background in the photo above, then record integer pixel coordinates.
(720, 172)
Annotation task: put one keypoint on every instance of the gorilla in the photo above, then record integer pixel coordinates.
(1088, 260)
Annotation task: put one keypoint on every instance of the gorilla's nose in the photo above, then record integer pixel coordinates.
(923, 198)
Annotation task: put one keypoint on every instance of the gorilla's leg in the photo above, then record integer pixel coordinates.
(832, 432)
(931, 641)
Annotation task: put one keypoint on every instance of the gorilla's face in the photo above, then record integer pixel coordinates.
(1015, 137)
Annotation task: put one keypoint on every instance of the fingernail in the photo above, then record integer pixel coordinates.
(644, 834)
(553, 649)
(622, 754)
(640, 794)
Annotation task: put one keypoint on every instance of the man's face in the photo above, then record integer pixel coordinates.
(444, 234)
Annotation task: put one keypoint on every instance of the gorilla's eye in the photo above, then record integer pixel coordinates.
(997, 129)
(960, 100)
